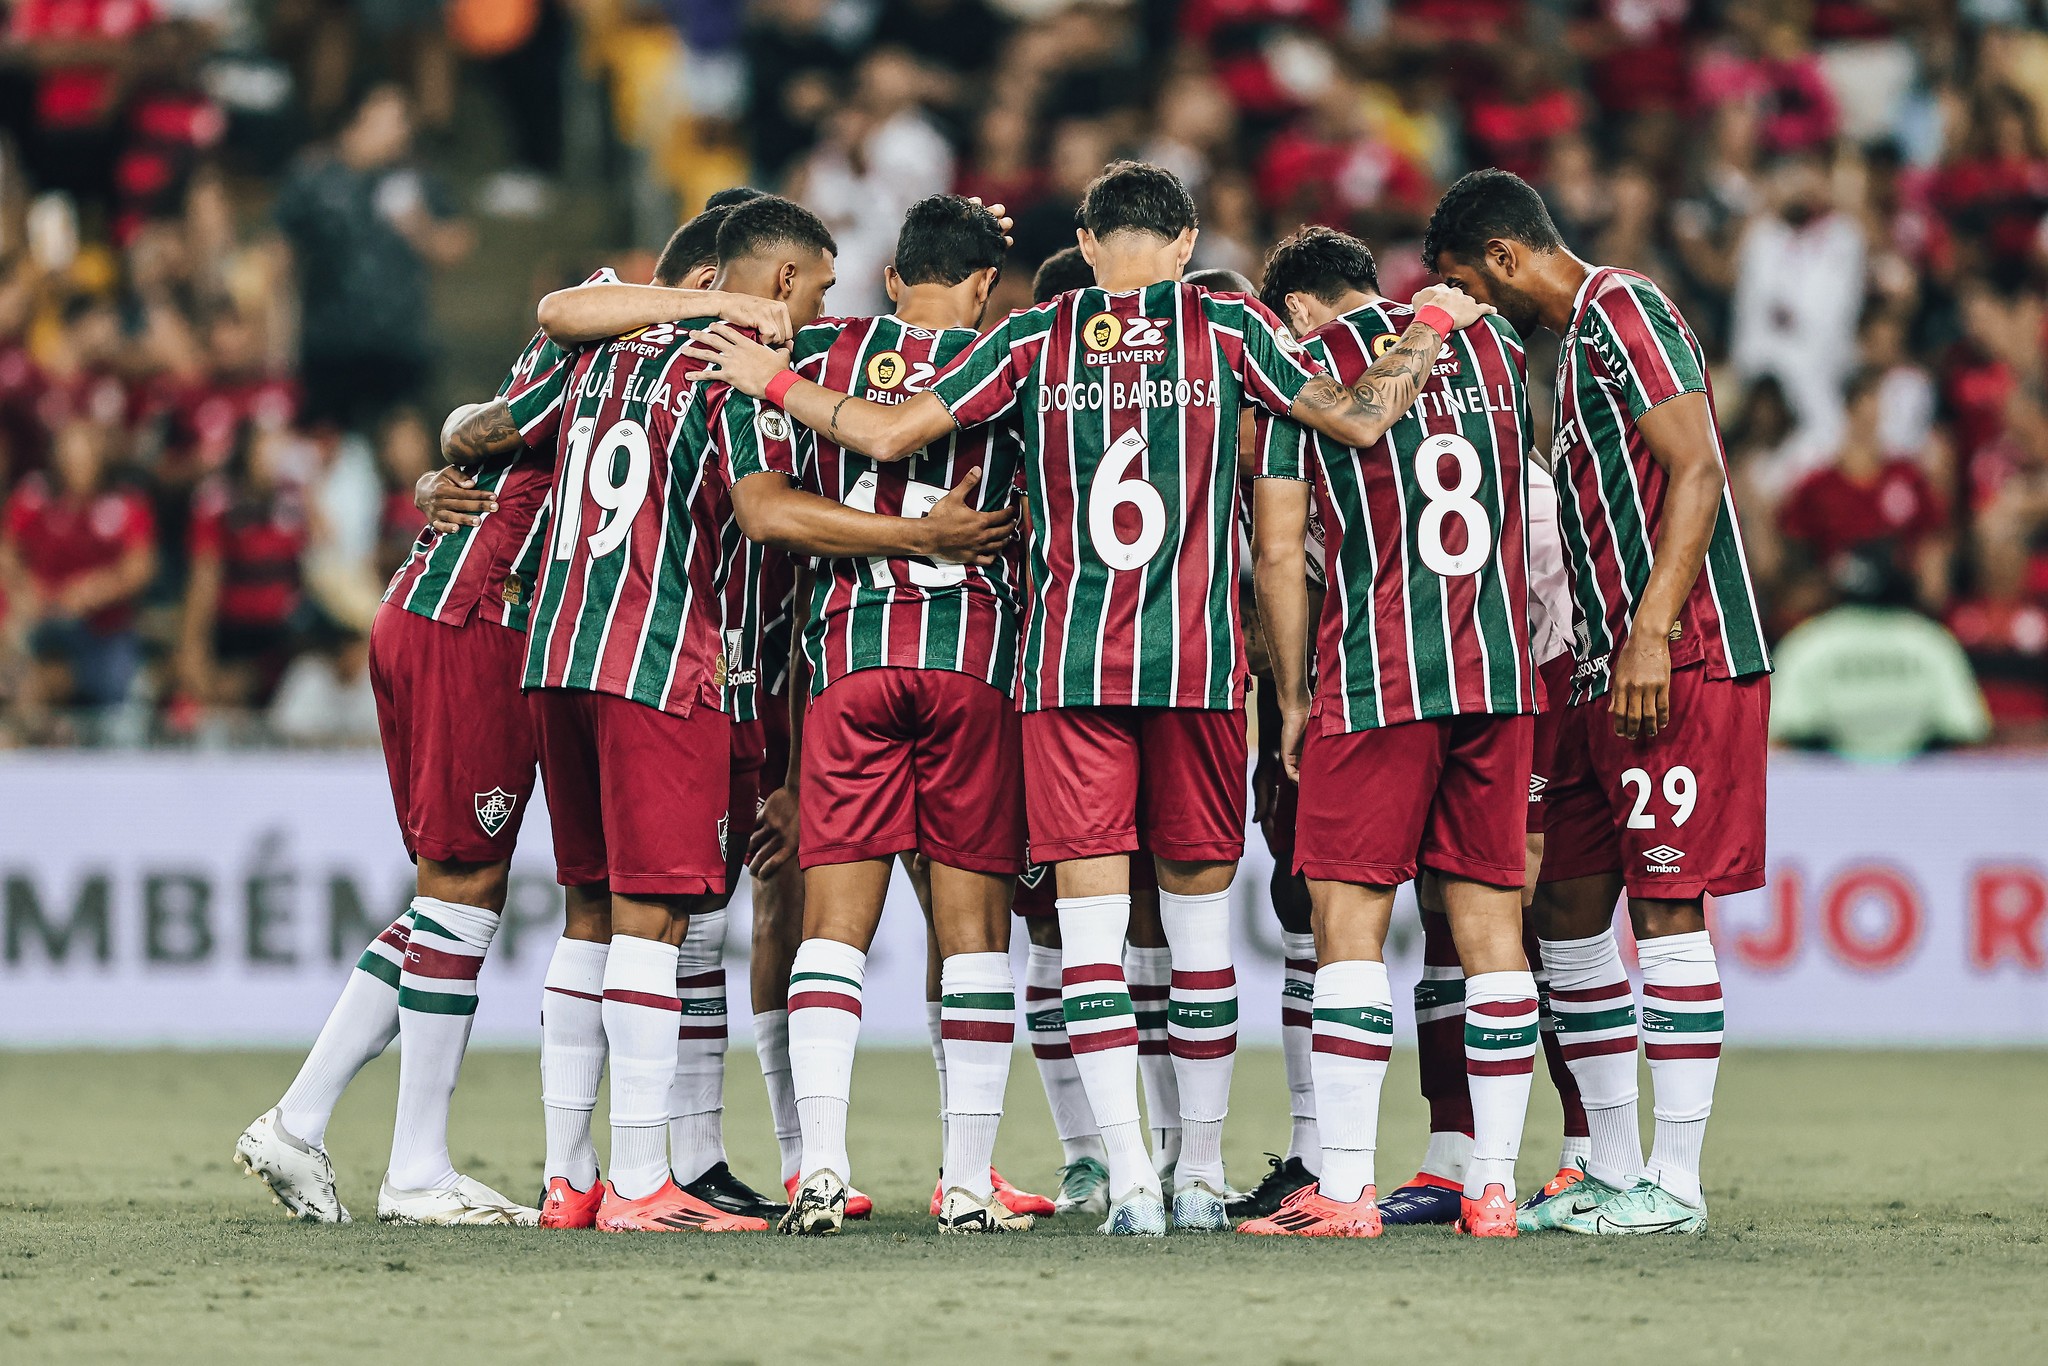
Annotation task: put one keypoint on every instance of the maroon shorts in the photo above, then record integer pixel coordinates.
(1111, 780)
(748, 777)
(1038, 894)
(912, 759)
(1554, 687)
(1677, 815)
(457, 739)
(1446, 794)
(637, 798)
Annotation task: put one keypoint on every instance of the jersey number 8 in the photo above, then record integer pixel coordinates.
(1457, 501)
(615, 491)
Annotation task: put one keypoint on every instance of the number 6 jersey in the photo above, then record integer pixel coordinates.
(641, 539)
(1128, 406)
(1427, 612)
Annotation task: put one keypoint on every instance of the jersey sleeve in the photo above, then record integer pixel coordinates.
(807, 351)
(756, 438)
(1274, 366)
(1282, 448)
(983, 381)
(536, 402)
(1639, 339)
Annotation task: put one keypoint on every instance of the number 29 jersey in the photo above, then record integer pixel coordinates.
(1427, 612)
(642, 540)
(1128, 407)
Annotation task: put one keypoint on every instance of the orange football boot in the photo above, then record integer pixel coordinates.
(1306, 1214)
(1566, 1178)
(1492, 1215)
(858, 1206)
(669, 1210)
(563, 1206)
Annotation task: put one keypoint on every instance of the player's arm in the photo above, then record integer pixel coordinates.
(1680, 435)
(449, 496)
(1361, 414)
(1280, 579)
(773, 511)
(591, 312)
(479, 432)
(880, 431)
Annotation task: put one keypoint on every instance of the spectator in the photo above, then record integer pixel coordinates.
(76, 553)
(2004, 629)
(325, 697)
(365, 226)
(245, 586)
(1873, 679)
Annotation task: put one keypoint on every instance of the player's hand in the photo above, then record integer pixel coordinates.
(1463, 308)
(451, 499)
(1639, 692)
(738, 360)
(1003, 219)
(773, 842)
(768, 318)
(1293, 730)
(957, 533)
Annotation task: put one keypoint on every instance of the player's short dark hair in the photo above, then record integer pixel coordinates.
(945, 239)
(1484, 205)
(1217, 280)
(1318, 261)
(767, 221)
(731, 195)
(693, 245)
(1065, 269)
(1134, 196)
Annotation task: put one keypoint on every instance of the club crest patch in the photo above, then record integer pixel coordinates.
(493, 809)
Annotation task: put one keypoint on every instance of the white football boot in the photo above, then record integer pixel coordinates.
(467, 1202)
(299, 1174)
(818, 1207)
(962, 1211)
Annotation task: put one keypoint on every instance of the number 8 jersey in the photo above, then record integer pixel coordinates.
(641, 540)
(1128, 407)
(1427, 612)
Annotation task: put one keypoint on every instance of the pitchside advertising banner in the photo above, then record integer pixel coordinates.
(221, 900)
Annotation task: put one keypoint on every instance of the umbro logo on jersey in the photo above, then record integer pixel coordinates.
(1537, 782)
(1124, 341)
(493, 809)
(1663, 858)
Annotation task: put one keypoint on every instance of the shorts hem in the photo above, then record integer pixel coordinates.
(855, 851)
(1358, 874)
(1471, 870)
(579, 877)
(1585, 867)
(1192, 851)
(1687, 888)
(1091, 846)
(655, 884)
(993, 864)
(449, 851)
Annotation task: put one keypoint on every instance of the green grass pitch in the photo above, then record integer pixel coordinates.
(1866, 1208)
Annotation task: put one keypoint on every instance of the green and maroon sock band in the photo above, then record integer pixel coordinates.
(810, 990)
(439, 977)
(1097, 1003)
(1500, 1037)
(1595, 1020)
(1201, 1018)
(979, 1017)
(1365, 1032)
(1682, 1021)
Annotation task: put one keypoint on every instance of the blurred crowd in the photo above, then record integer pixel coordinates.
(214, 381)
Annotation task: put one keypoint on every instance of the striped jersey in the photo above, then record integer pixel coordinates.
(910, 613)
(1427, 612)
(642, 541)
(758, 593)
(1627, 351)
(489, 568)
(1128, 407)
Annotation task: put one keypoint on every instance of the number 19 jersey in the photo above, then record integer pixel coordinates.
(1128, 407)
(1427, 613)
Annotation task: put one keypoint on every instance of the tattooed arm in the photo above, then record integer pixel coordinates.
(1361, 414)
(474, 434)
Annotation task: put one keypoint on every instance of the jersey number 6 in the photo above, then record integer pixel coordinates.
(1110, 490)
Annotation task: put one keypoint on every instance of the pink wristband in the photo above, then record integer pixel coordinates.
(1437, 320)
(779, 387)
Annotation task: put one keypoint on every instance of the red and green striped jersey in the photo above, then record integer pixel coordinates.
(758, 589)
(1128, 407)
(1425, 530)
(903, 612)
(489, 568)
(632, 592)
(1626, 352)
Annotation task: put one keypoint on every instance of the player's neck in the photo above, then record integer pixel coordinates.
(1557, 293)
(1146, 261)
(934, 307)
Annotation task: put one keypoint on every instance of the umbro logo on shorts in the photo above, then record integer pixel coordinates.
(1663, 858)
(1537, 782)
(493, 809)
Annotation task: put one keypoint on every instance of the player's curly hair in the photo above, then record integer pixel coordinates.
(1319, 261)
(945, 239)
(1483, 205)
(767, 221)
(1140, 197)
(1065, 269)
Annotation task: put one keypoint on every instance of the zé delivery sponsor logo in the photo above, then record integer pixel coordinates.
(1123, 341)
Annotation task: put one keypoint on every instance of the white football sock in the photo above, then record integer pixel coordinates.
(696, 1098)
(1596, 1029)
(436, 1007)
(1448, 1155)
(1072, 1120)
(979, 1005)
(934, 1025)
(572, 1053)
(1149, 974)
(362, 1024)
(1354, 1027)
(824, 1026)
(1500, 1062)
(640, 1012)
(1103, 1031)
(1682, 1023)
(1201, 1027)
(1297, 1035)
(771, 1046)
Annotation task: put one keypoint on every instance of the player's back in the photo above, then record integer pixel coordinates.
(904, 611)
(1426, 532)
(635, 561)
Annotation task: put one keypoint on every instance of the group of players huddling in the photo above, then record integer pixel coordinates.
(809, 596)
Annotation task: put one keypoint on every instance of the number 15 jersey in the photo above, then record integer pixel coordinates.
(1128, 407)
(1427, 612)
